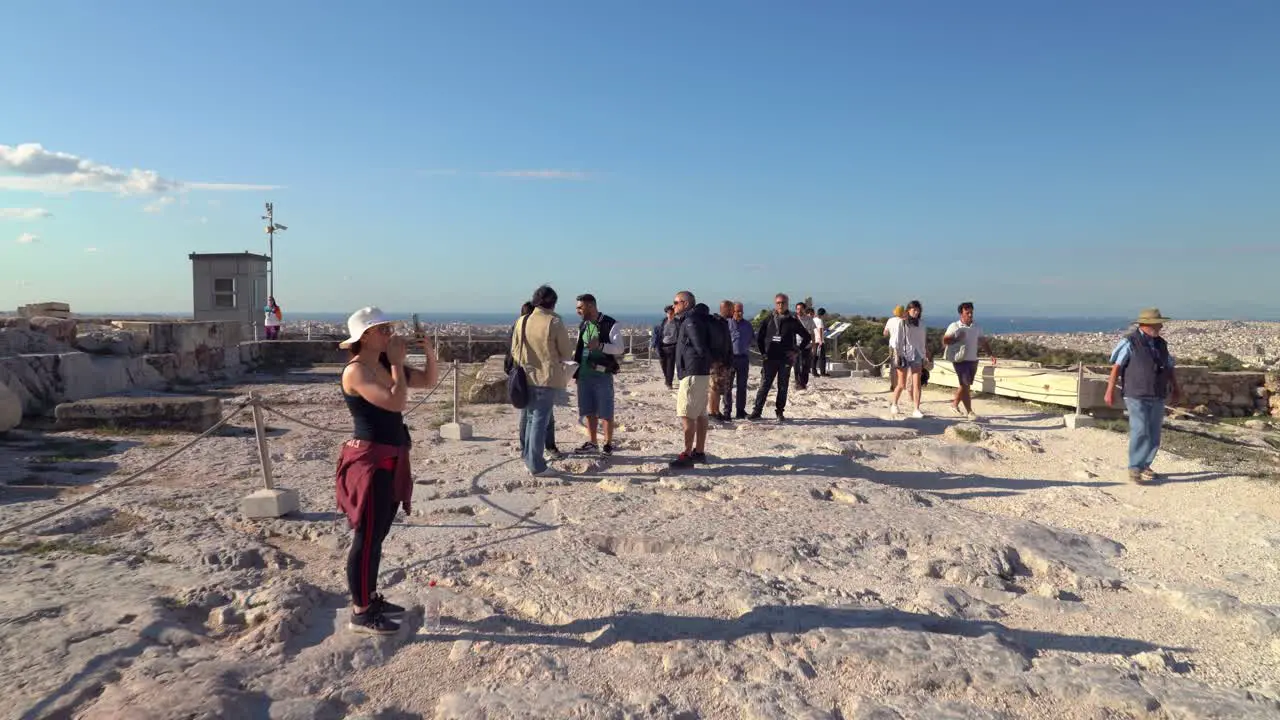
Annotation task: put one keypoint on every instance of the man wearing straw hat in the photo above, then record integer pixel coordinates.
(1142, 364)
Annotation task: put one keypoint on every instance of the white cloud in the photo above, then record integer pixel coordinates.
(541, 174)
(215, 203)
(91, 250)
(158, 205)
(227, 186)
(24, 214)
(522, 174)
(203, 220)
(28, 238)
(32, 168)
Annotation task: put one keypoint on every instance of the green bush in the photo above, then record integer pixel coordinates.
(868, 332)
(1220, 362)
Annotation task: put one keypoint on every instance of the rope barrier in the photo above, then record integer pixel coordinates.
(103, 491)
(228, 417)
(342, 431)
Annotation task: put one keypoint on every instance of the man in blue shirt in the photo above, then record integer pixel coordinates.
(741, 334)
(1141, 362)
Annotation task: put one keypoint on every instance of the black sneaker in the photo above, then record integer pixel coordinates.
(781, 418)
(587, 448)
(698, 457)
(683, 460)
(753, 417)
(553, 453)
(379, 604)
(607, 450)
(740, 416)
(372, 623)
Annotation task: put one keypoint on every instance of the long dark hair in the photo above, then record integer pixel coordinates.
(914, 320)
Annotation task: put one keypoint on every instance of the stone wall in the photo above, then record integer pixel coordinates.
(44, 361)
(271, 354)
(1227, 394)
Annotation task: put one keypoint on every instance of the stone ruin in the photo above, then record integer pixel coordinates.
(47, 362)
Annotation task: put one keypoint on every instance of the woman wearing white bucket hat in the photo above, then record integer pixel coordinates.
(374, 479)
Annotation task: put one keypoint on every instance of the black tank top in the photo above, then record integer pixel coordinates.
(374, 424)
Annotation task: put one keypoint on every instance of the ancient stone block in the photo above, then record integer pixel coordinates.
(10, 409)
(168, 412)
(272, 503)
(490, 385)
(62, 330)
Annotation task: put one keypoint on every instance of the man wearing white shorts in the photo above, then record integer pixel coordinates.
(693, 367)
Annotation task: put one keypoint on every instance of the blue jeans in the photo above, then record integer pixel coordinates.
(551, 431)
(534, 418)
(1146, 416)
(595, 396)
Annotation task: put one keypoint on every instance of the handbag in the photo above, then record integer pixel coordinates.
(518, 380)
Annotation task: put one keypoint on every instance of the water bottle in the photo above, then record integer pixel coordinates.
(431, 618)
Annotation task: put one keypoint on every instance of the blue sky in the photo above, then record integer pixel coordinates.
(1039, 158)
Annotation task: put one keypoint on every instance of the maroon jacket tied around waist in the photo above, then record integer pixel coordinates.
(356, 465)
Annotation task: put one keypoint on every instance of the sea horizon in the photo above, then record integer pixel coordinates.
(996, 324)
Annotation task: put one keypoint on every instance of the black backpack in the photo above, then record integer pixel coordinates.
(720, 341)
(517, 379)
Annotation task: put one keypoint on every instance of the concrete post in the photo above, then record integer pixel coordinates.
(270, 501)
(456, 430)
(1077, 420)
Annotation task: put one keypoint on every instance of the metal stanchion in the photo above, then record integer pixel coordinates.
(456, 430)
(1079, 419)
(270, 501)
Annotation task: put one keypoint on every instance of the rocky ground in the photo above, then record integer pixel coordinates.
(844, 565)
(1255, 343)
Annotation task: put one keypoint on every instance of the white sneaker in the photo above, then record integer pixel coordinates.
(958, 410)
(893, 409)
(917, 414)
(973, 416)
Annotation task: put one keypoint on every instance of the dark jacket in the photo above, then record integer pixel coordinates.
(1146, 372)
(356, 465)
(608, 363)
(693, 342)
(785, 328)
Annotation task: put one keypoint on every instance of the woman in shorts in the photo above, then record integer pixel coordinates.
(909, 356)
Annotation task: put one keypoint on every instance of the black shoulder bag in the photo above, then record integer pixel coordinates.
(517, 380)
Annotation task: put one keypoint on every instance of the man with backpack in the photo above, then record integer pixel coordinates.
(721, 360)
(693, 367)
(776, 340)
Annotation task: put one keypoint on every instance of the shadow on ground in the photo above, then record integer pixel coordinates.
(642, 628)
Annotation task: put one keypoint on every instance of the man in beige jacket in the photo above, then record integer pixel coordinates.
(540, 344)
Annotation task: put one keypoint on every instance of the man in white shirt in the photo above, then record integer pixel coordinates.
(819, 342)
(961, 342)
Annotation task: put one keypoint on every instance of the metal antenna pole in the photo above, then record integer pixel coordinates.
(271, 250)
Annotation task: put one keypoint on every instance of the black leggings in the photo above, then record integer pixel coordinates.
(366, 544)
(667, 356)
